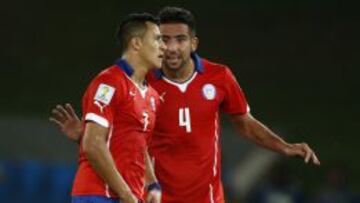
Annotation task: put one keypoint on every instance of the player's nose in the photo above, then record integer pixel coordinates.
(171, 45)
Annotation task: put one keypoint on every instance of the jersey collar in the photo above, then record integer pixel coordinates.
(125, 66)
(199, 66)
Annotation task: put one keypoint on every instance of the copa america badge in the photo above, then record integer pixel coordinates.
(209, 91)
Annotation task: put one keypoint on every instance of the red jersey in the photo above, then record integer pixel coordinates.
(185, 142)
(114, 101)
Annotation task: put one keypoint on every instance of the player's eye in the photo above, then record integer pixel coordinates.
(165, 39)
(181, 38)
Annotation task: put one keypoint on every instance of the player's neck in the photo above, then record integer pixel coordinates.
(181, 74)
(140, 69)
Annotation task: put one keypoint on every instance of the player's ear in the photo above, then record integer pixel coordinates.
(136, 43)
(194, 43)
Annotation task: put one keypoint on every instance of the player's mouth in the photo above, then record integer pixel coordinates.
(172, 60)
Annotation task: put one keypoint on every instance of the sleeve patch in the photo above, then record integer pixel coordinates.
(104, 93)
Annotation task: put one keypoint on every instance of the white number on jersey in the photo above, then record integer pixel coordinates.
(184, 118)
(146, 120)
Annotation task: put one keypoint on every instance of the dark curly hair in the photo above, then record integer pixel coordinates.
(177, 15)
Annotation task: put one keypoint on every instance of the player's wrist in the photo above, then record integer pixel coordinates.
(155, 186)
(286, 149)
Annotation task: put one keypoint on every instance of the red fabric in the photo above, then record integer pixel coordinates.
(187, 162)
(127, 139)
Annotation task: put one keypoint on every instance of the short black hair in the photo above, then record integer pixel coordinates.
(134, 25)
(171, 14)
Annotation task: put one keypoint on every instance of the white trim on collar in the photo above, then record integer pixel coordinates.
(182, 86)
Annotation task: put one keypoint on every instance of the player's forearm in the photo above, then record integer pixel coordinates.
(100, 158)
(266, 138)
(150, 176)
(257, 132)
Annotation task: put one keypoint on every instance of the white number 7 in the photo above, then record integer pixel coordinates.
(184, 118)
(146, 120)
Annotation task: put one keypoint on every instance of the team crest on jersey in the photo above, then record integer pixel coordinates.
(209, 91)
(104, 93)
(152, 103)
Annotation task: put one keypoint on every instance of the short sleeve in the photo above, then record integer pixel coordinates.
(100, 101)
(234, 99)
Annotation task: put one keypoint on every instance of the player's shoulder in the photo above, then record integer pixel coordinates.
(211, 67)
(111, 74)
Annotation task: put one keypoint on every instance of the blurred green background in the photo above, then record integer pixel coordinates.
(298, 63)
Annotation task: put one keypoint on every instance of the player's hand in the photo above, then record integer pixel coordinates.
(129, 198)
(153, 196)
(67, 121)
(303, 150)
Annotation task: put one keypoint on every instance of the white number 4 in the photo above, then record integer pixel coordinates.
(184, 118)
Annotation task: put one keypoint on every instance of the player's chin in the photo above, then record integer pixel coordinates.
(158, 64)
(158, 61)
(175, 68)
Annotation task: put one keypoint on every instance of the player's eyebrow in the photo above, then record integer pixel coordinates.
(167, 36)
(176, 36)
(182, 36)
